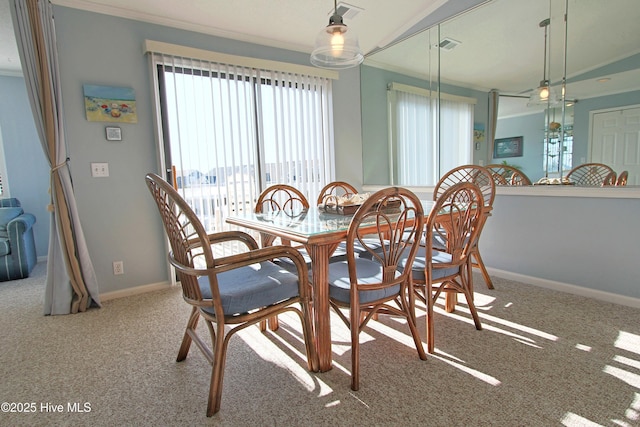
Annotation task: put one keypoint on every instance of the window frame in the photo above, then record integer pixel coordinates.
(282, 76)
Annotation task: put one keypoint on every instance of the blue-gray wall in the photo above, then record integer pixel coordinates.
(27, 167)
(531, 129)
(118, 216)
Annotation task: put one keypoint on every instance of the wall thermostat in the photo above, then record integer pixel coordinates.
(114, 134)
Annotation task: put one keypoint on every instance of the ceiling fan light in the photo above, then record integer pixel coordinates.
(544, 95)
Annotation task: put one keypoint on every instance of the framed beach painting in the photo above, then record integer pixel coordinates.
(507, 147)
(110, 104)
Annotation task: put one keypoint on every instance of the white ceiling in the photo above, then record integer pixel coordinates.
(288, 24)
(502, 46)
(502, 43)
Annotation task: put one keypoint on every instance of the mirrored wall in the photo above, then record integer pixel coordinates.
(499, 54)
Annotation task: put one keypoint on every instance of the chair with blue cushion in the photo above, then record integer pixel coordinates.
(592, 175)
(229, 292)
(329, 195)
(17, 244)
(335, 189)
(483, 178)
(455, 220)
(508, 175)
(387, 225)
(290, 203)
(621, 181)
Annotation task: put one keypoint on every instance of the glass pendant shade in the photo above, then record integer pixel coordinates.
(336, 47)
(543, 95)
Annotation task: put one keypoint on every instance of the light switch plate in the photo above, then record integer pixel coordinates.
(99, 170)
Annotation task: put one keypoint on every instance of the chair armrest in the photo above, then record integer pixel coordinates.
(21, 223)
(232, 262)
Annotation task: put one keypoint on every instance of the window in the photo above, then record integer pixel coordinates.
(229, 131)
(421, 147)
(551, 156)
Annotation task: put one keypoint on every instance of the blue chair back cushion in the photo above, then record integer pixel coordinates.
(10, 202)
(248, 288)
(6, 215)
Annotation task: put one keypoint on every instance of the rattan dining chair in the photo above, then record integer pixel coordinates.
(610, 179)
(335, 189)
(456, 220)
(591, 175)
(366, 287)
(329, 195)
(282, 199)
(228, 292)
(508, 175)
(483, 178)
(622, 179)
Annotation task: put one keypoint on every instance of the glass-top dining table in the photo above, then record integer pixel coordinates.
(320, 232)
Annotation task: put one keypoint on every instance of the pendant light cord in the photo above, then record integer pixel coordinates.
(545, 24)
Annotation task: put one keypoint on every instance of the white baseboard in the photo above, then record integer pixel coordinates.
(567, 287)
(522, 278)
(134, 291)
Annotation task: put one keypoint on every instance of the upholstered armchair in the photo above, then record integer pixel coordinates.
(17, 244)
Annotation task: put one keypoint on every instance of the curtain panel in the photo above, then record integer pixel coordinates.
(71, 284)
(429, 132)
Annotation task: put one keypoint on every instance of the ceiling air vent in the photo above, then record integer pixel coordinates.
(448, 44)
(347, 11)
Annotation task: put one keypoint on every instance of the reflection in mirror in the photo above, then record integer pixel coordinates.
(501, 46)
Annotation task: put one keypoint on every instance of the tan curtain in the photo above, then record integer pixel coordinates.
(71, 282)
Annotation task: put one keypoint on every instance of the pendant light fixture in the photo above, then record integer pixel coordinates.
(336, 47)
(544, 94)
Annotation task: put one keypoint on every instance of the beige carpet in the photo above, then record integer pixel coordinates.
(544, 358)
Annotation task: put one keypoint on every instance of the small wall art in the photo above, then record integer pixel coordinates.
(478, 134)
(110, 104)
(507, 147)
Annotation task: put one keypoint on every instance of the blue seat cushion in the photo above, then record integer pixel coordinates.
(248, 288)
(5, 248)
(368, 272)
(437, 257)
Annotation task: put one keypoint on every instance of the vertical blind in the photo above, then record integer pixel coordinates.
(430, 133)
(230, 131)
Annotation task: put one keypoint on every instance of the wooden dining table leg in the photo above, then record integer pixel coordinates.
(319, 255)
(450, 301)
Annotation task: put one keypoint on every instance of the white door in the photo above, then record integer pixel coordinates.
(616, 141)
